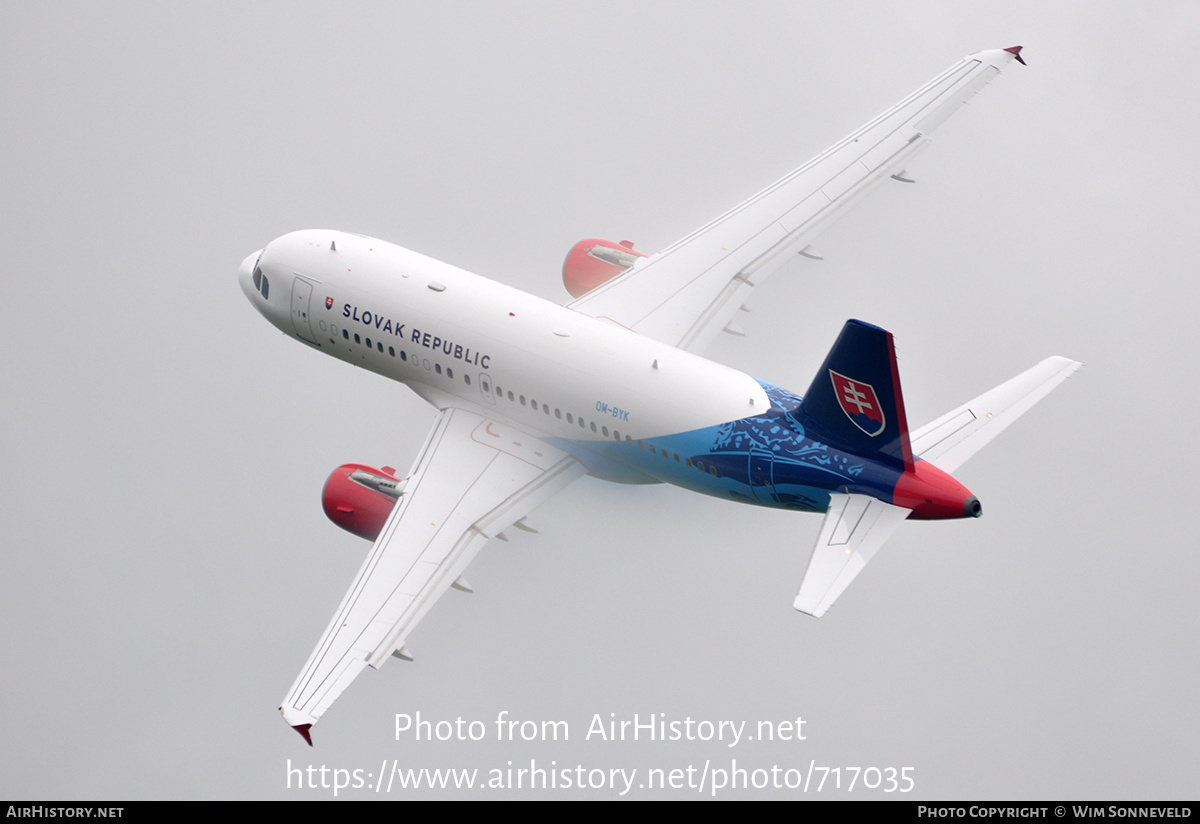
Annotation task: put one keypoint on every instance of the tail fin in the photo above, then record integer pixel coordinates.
(855, 398)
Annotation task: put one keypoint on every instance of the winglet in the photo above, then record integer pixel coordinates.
(303, 730)
(300, 728)
(1015, 51)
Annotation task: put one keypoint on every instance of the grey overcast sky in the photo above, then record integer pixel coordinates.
(167, 564)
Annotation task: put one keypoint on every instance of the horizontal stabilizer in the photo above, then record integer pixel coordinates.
(855, 528)
(957, 435)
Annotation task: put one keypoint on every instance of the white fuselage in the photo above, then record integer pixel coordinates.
(459, 339)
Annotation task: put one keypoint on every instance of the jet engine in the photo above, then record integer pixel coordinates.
(359, 498)
(595, 261)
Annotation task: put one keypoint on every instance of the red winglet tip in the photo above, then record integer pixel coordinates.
(303, 730)
(1015, 51)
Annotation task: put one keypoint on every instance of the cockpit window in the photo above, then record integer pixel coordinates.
(260, 281)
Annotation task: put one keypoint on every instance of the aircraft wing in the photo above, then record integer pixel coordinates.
(687, 293)
(948, 441)
(472, 478)
(854, 529)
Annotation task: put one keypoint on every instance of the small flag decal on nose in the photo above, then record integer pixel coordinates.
(329, 302)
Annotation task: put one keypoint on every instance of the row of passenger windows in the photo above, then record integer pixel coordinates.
(391, 350)
(531, 404)
(603, 430)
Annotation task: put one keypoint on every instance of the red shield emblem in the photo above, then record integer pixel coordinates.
(329, 302)
(860, 403)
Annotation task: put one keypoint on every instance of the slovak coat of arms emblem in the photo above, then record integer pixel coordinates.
(860, 403)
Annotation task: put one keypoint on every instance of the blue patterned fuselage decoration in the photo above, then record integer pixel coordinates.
(768, 459)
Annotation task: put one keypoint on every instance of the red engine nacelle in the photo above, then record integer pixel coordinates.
(359, 498)
(595, 261)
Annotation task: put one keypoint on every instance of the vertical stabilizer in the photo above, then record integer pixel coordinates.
(855, 398)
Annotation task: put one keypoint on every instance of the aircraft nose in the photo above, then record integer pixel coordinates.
(246, 273)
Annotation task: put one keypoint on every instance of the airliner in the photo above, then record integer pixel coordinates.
(532, 395)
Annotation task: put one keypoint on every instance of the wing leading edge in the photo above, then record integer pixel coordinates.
(685, 294)
(472, 478)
